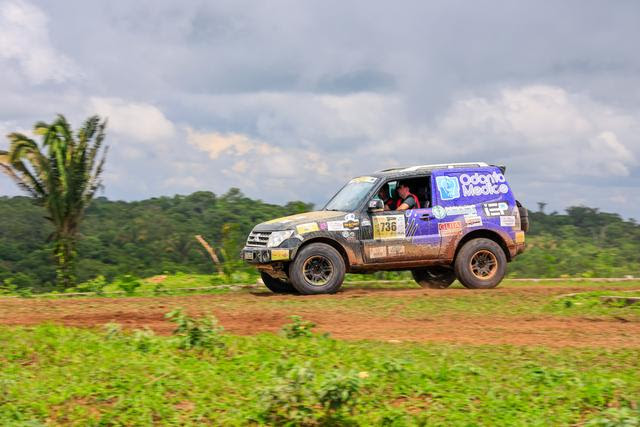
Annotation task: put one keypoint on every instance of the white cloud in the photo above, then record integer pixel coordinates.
(236, 144)
(140, 121)
(24, 37)
(543, 128)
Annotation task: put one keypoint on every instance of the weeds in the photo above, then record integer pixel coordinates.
(196, 332)
(296, 400)
(298, 328)
(95, 285)
(128, 284)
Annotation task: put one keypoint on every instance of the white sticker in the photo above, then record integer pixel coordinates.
(508, 221)
(495, 208)
(335, 226)
(439, 212)
(350, 217)
(395, 250)
(379, 252)
(388, 227)
(461, 210)
(368, 179)
(345, 234)
(473, 221)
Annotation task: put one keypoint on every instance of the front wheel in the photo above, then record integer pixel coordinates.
(276, 285)
(434, 277)
(480, 264)
(317, 269)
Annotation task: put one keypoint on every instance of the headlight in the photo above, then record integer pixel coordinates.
(277, 237)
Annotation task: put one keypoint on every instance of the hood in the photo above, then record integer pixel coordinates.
(289, 222)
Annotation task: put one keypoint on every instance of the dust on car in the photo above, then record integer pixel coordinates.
(441, 222)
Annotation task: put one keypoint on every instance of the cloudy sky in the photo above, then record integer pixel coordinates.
(288, 99)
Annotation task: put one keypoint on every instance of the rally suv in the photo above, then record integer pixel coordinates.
(468, 226)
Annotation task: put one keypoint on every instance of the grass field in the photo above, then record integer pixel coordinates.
(548, 353)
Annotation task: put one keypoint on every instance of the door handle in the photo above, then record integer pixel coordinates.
(426, 217)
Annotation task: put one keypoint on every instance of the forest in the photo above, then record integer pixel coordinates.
(156, 236)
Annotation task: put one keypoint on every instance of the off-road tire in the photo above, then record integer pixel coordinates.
(434, 277)
(317, 269)
(469, 269)
(277, 286)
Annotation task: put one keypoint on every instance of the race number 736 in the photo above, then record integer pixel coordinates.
(388, 226)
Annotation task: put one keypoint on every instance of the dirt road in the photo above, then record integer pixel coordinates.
(351, 314)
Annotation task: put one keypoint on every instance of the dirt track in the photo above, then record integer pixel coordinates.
(249, 313)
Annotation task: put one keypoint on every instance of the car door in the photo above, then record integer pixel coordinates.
(402, 236)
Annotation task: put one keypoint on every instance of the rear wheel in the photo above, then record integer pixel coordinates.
(480, 264)
(434, 277)
(277, 286)
(317, 269)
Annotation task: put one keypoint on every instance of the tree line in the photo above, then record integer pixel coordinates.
(156, 236)
(60, 235)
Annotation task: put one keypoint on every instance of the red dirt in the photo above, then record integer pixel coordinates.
(243, 313)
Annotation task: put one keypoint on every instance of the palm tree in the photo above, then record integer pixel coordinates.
(62, 175)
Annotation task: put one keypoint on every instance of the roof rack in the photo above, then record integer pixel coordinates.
(441, 165)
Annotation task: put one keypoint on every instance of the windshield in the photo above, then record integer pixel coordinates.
(352, 194)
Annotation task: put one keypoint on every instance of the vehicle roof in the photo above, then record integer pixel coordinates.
(422, 169)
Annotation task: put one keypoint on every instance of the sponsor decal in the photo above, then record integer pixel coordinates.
(519, 236)
(307, 228)
(285, 219)
(388, 227)
(449, 228)
(495, 209)
(483, 184)
(461, 210)
(279, 254)
(366, 223)
(448, 187)
(248, 255)
(335, 226)
(351, 224)
(350, 217)
(473, 220)
(363, 179)
(379, 252)
(396, 250)
(412, 227)
(322, 225)
(439, 212)
(345, 234)
(508, 221)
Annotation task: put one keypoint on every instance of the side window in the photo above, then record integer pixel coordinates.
(419, 187)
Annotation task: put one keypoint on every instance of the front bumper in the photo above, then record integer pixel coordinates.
(258, 255)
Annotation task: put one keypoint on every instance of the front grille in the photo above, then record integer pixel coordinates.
(258, 238)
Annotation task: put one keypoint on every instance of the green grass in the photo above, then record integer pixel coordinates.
(55, 375)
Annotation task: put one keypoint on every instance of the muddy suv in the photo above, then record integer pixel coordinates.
(468, 226)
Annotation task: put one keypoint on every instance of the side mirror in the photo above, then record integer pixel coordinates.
(376, 205)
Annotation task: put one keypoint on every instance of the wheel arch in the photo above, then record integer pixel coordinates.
(487, 234)
(336, 245)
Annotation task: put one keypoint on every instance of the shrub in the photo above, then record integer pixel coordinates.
(294, 399)
(192, 332)
(143, 340)
(616, 417)
(128, 284)
(298, 328)
(290, 401)
(340, 392)
(95, 285)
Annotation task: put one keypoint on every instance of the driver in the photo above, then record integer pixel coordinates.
(407, 200)
(389, 202)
